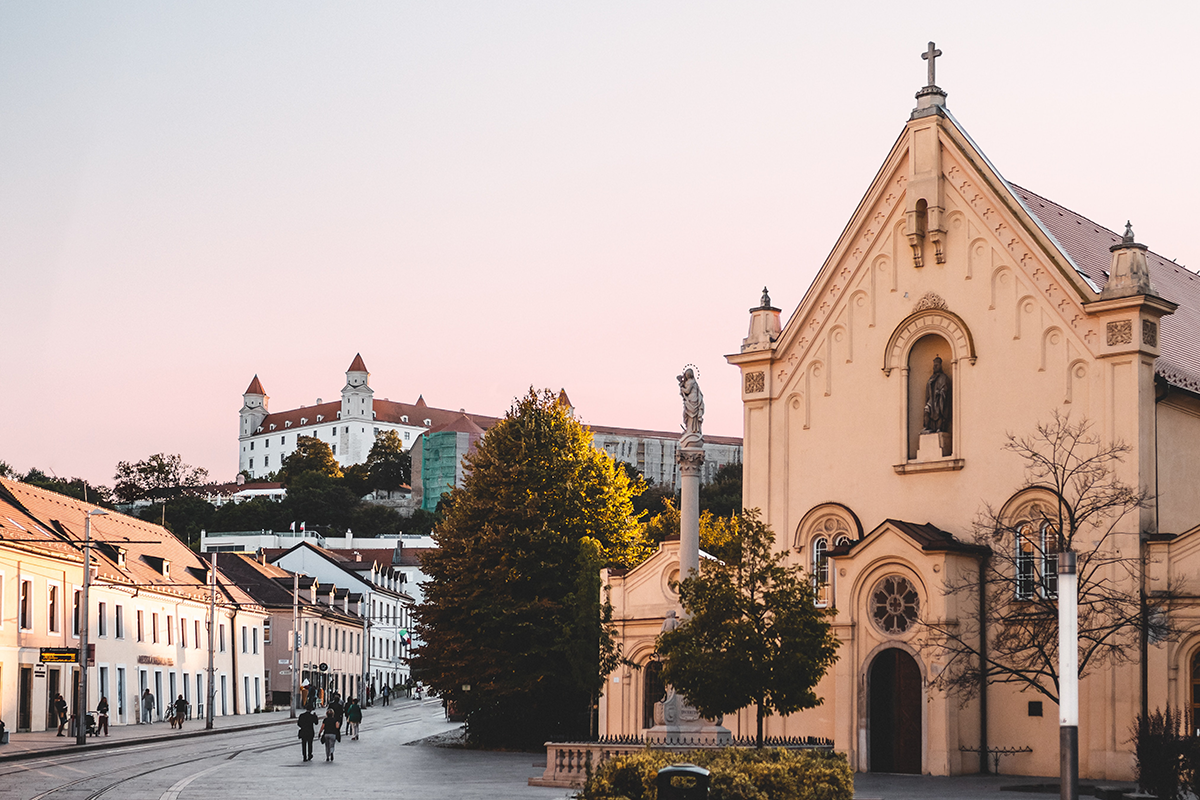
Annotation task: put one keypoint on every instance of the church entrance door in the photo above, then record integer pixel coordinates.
(894, 713)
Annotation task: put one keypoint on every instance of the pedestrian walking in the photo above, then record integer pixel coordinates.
(180, 712)
(330, 734)
(308, 731)
(353, 717)
(60, 710)
(102, 716)
(385, 693)
(147, 707)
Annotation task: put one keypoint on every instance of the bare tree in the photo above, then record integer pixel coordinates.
(1072, 499)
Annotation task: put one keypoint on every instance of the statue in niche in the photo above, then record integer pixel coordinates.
(937, 400)
(693, 409)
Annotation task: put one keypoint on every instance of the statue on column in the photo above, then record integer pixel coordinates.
(693, 409)
(937, 400)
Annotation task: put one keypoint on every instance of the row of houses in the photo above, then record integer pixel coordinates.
(156, 611)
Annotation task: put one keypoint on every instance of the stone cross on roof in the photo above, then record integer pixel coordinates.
(931, 55)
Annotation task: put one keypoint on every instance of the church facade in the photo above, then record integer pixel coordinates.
(955, 310)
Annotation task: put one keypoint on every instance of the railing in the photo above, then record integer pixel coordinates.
(995, 753)
(569, 763)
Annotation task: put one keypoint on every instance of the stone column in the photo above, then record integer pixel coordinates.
(690, 460)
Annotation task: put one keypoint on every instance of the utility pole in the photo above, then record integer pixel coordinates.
(1068, 676)
(82, 699)
(212, 641)
(295, 639)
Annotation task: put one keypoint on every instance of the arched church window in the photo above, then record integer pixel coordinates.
(820, 570)
(1036, 559)
(895, 604)
(653, 691)
(1196, 693)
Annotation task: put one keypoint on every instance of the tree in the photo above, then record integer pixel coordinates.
(717, 533)
(161, 475)
(1072, 499)
(311, 455)
(389, 464)
(78, 488)
(183, 516)
(723, 496)
(513, 607)
(753, 633)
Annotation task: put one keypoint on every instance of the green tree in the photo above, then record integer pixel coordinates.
(78, 488)
(183, 516)
(513, 607)
(723, 495)
(311, 455)
(357, 479)
(717, 534)
(753, 633)
(388, 462)
(161, 475)
(421, 522)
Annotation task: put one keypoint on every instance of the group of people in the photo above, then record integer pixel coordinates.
(176, 712)
(328, 728)
(61, 717)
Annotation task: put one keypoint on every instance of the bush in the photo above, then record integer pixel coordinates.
(737, 774)
(1159, 753)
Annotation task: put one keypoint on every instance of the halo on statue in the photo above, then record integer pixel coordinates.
(695, 370)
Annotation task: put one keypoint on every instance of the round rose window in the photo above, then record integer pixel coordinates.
(894, 604)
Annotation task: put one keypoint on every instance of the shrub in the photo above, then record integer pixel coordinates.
(737, 774)
(1159, 753)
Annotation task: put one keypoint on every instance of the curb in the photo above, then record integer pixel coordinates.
(74, 749)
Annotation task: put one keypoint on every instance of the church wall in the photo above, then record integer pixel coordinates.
(1178, 463)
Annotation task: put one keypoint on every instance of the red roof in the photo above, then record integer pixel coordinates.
(255, 387)
(1087, 244)
(357, 364)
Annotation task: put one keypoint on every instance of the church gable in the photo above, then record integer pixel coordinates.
(977, 250)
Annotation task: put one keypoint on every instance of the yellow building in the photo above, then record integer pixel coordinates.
(873, 470)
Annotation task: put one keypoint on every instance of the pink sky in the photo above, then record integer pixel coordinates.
(483, 197)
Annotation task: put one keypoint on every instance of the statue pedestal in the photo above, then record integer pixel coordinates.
(676, 722)
(933, 446)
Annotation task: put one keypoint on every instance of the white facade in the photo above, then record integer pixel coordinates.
(385, 605)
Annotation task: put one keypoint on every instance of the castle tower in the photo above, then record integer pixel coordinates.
(357, 395)
(254, 408)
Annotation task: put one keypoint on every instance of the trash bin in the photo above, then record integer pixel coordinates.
(682, 782)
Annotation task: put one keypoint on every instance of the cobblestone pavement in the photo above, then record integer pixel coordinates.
(265, 762)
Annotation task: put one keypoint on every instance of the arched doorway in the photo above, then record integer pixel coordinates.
(894, 712)
(653, 690)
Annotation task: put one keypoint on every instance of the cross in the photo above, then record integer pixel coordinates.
(930, 55)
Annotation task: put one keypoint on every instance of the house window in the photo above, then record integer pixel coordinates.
(335, 449)
(406, 436)
(266, 442)
(267, 631)
(197, 639)
(102, 619)
(52, 608)
(282, 440)
(251, 463)
(895, 604)
(154, 628)
(245, 640)
(170, 630)
(266, 461)
(221, 640)
(119, 621)
(141, 628)
(251, 445)
(182, 632)
(75, 613)
(26, 619)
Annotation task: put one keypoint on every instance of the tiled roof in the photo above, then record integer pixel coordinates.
(363, 556)
(930, 538)
(56, 523)
(1087, 244)
(385, 411)
(357, 364)
(255, 387)
(460, 424)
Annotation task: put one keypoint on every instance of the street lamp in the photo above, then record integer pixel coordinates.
(81, 711)
(1068, 676)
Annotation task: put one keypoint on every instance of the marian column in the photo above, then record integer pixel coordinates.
(690, 457)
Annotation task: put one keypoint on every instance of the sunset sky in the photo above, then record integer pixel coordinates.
(481, 197)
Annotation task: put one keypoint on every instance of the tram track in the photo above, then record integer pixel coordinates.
(282, 737)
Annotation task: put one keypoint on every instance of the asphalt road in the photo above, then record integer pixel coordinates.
(387, 761)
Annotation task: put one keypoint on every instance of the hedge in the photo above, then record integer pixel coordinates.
(737, 774)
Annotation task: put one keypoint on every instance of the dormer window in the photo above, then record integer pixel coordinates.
(120, 556)
(339, 415)
(166, 568)
(258, 429)
(304, 420)
(287, 424)
(320, 417)
(404, 418)
(272, 426)
(428, 423)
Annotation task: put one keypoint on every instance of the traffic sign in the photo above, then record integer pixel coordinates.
(59, 655)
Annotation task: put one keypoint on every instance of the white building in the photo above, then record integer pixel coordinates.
(148, 616)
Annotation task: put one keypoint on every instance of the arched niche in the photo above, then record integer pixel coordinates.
(931, 332)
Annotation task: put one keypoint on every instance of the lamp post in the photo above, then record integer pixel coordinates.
(1068, 676)
(81, 710)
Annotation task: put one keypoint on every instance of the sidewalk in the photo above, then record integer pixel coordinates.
(48, 743)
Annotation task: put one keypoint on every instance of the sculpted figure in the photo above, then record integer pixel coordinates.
(937, 400)
(693, 409)
(671, 622)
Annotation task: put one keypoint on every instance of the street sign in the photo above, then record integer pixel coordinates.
(285, 672)
(59, 655)
(285, 661)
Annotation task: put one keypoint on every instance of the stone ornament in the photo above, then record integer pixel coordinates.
(1149, 333)
(693, 409)
(1119, 332)
(756, 382)
(937, 400)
